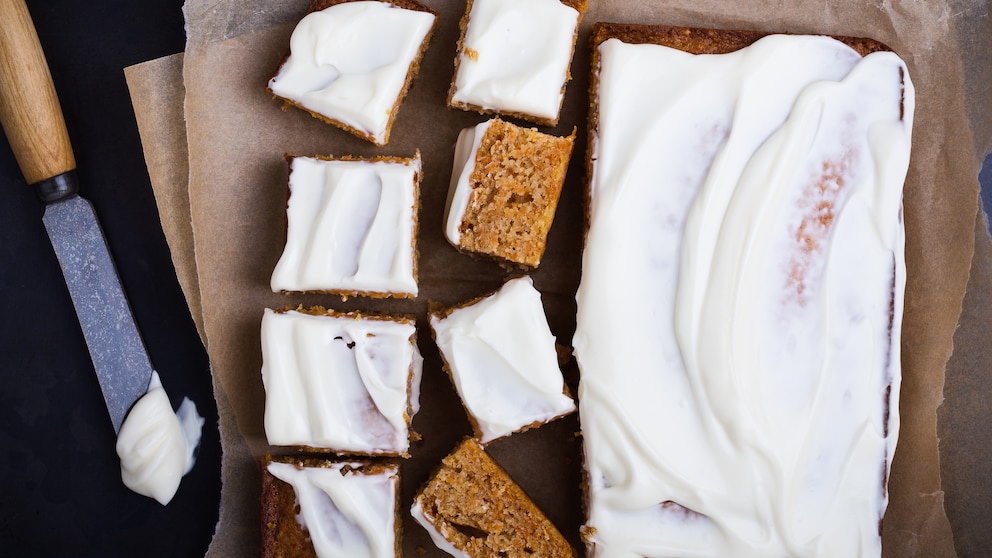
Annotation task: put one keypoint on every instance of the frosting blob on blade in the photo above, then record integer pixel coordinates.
(747, 404)
(156, 446)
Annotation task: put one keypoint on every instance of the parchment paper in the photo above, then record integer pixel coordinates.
(237, 136)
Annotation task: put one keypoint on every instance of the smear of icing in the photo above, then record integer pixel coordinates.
(739, 408)
(157, 446)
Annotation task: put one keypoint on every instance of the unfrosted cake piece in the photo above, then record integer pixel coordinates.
(351, 227)
(513, 57)
(501, 357)
(747, 403)
(351, 62)
(317, 508)
(504, 190)
(472, 508)
(342, 383)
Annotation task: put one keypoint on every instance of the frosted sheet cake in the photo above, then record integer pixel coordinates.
(747, 404)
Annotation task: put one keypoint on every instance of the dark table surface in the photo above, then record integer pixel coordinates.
(60, 487)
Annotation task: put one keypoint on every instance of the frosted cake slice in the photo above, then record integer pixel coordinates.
(505, 184)
(473, 509)
(748, 188)
(318, 508)
(341, 383)
(513, 57)
(500, 355)
(351, 227)
(351, 62)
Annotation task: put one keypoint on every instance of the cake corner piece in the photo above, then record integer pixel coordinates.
(492, 77)
(517, 390)
(471, 507)
(505, 184)
(314, 86)
(303, 499)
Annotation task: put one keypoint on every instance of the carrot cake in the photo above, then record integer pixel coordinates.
(501, 357)
(504, 190)
(472, 508)
(351, 62)
(351, 227)
(317, 508)
(746, 402)
(342, 383)
(513, 57)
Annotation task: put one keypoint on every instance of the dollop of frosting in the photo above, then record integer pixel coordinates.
(156, 445)
(515, 56)
(747, 405)
(502, 359)
(349, 62)
(350, 227)
(346, 512)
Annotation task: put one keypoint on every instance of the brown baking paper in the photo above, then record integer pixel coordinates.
(238, 135)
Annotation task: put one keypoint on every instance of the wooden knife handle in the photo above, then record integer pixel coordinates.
(29, 108)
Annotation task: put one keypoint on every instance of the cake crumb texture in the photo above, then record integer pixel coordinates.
(516, 183)
(479, 509)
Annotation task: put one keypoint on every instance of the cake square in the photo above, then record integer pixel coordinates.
(748, 188)
(500, 355)
(351, 62)
(341, 383)
(471, 507)
(351, 227)
(504, 190)
(314, 507)
(513, 57)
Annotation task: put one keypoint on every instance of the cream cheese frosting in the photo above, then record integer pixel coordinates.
(348, 513)
(349, 62)
(515, 56)
(501, 356)
(157, 446)
(351, 227)
(747, 404)
(344, 383)
(427, 522)
(460, 187)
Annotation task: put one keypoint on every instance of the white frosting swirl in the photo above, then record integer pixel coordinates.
(350, 227)
(349, 62)
(502, 359)
(339, 382)
(515, 56)
(156, 446)
(347, 513)
(752, 202)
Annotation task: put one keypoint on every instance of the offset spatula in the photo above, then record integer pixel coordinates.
(33, 122)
